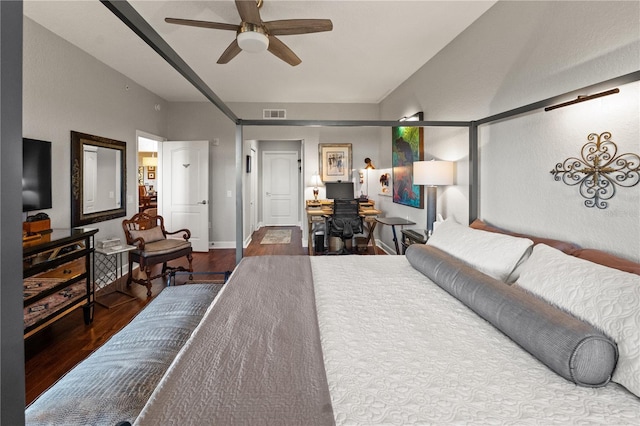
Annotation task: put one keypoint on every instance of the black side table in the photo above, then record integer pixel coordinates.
(412, 236)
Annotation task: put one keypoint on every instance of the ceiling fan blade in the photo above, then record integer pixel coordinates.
(202, 24)
(230, 53)
(249, 12)
(298, 26)
(281, 50)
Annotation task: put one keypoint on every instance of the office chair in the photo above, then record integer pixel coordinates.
(344, 222)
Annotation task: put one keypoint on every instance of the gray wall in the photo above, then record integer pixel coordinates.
(197, 121)
(515, 54)
(66, 89)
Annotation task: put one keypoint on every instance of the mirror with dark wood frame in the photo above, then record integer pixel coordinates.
(98, 179)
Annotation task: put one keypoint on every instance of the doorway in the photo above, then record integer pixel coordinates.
(147, 174)
(280, 187)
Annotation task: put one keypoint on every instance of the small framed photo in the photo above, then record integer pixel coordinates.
(151, 175)
(151, 168)
(334, 162)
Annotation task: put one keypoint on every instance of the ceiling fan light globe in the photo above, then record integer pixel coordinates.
(253, 41)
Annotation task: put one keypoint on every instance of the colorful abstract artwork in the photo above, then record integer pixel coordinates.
(407, 147)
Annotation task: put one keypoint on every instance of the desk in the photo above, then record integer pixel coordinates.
(393, 221)
(316, 215)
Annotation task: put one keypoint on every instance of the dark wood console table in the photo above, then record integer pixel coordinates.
(57, 277)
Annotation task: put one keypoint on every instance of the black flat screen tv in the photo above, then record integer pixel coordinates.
(36, 175)
(339, 190)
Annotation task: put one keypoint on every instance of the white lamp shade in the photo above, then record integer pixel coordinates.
(433, 173)
(315, 180)
(149, 161)
(253, 41)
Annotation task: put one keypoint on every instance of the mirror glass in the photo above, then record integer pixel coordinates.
(98, 179)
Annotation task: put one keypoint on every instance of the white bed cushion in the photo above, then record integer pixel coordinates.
(605, 297)
(496, 255)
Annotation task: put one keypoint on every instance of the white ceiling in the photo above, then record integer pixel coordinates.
(374, 46)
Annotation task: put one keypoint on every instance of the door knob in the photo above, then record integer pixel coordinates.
(203, 202)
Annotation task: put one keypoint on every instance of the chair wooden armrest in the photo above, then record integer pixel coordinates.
(186, 236)
(139, 243)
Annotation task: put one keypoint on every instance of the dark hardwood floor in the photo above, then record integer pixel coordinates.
(52, 352)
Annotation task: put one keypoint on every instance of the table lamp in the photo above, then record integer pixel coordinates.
(432, 174)
(315, 181)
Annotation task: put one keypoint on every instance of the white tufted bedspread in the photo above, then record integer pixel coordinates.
(400, 350)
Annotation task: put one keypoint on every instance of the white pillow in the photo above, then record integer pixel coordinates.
(607, 298)
(496, 255)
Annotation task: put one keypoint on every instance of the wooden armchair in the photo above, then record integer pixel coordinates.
(147, 233)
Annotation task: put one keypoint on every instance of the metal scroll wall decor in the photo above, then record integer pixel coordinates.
(599, 170)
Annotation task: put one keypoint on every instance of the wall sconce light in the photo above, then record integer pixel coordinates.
(418, 116)
(583, 98)
(599, 170)
(432, 174)
(315, 181)
(369, 166)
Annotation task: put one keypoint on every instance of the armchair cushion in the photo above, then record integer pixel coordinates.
(163, 247)
(148, 235)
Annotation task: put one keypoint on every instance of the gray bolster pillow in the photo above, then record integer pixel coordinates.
(572, 348)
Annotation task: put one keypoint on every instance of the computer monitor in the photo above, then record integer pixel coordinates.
(340, 190)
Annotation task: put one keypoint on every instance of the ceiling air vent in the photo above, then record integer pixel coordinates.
(270, 114)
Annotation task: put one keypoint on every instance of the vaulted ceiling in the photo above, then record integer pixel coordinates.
(374, 46)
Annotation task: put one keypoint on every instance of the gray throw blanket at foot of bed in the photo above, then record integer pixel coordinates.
(115, 382)
(254, 359)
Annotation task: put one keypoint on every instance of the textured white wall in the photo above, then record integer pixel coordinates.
(515, 54)
(66, 89)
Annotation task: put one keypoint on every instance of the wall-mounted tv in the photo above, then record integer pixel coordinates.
(36, 175)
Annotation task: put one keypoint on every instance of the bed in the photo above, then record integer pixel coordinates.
(394, 345)
(475, 327)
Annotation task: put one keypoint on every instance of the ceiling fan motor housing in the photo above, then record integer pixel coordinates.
(252, 38)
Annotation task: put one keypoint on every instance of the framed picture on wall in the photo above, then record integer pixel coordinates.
(334, 162)
(407, 146)
(151, 168)
(151, 175)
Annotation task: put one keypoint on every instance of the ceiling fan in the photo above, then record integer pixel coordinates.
(254, 35)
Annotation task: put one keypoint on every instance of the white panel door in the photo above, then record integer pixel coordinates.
(280, 186)
(184, 192)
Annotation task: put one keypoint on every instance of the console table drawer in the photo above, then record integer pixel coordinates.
(66, 271)
(47, 281)
(43, 309)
